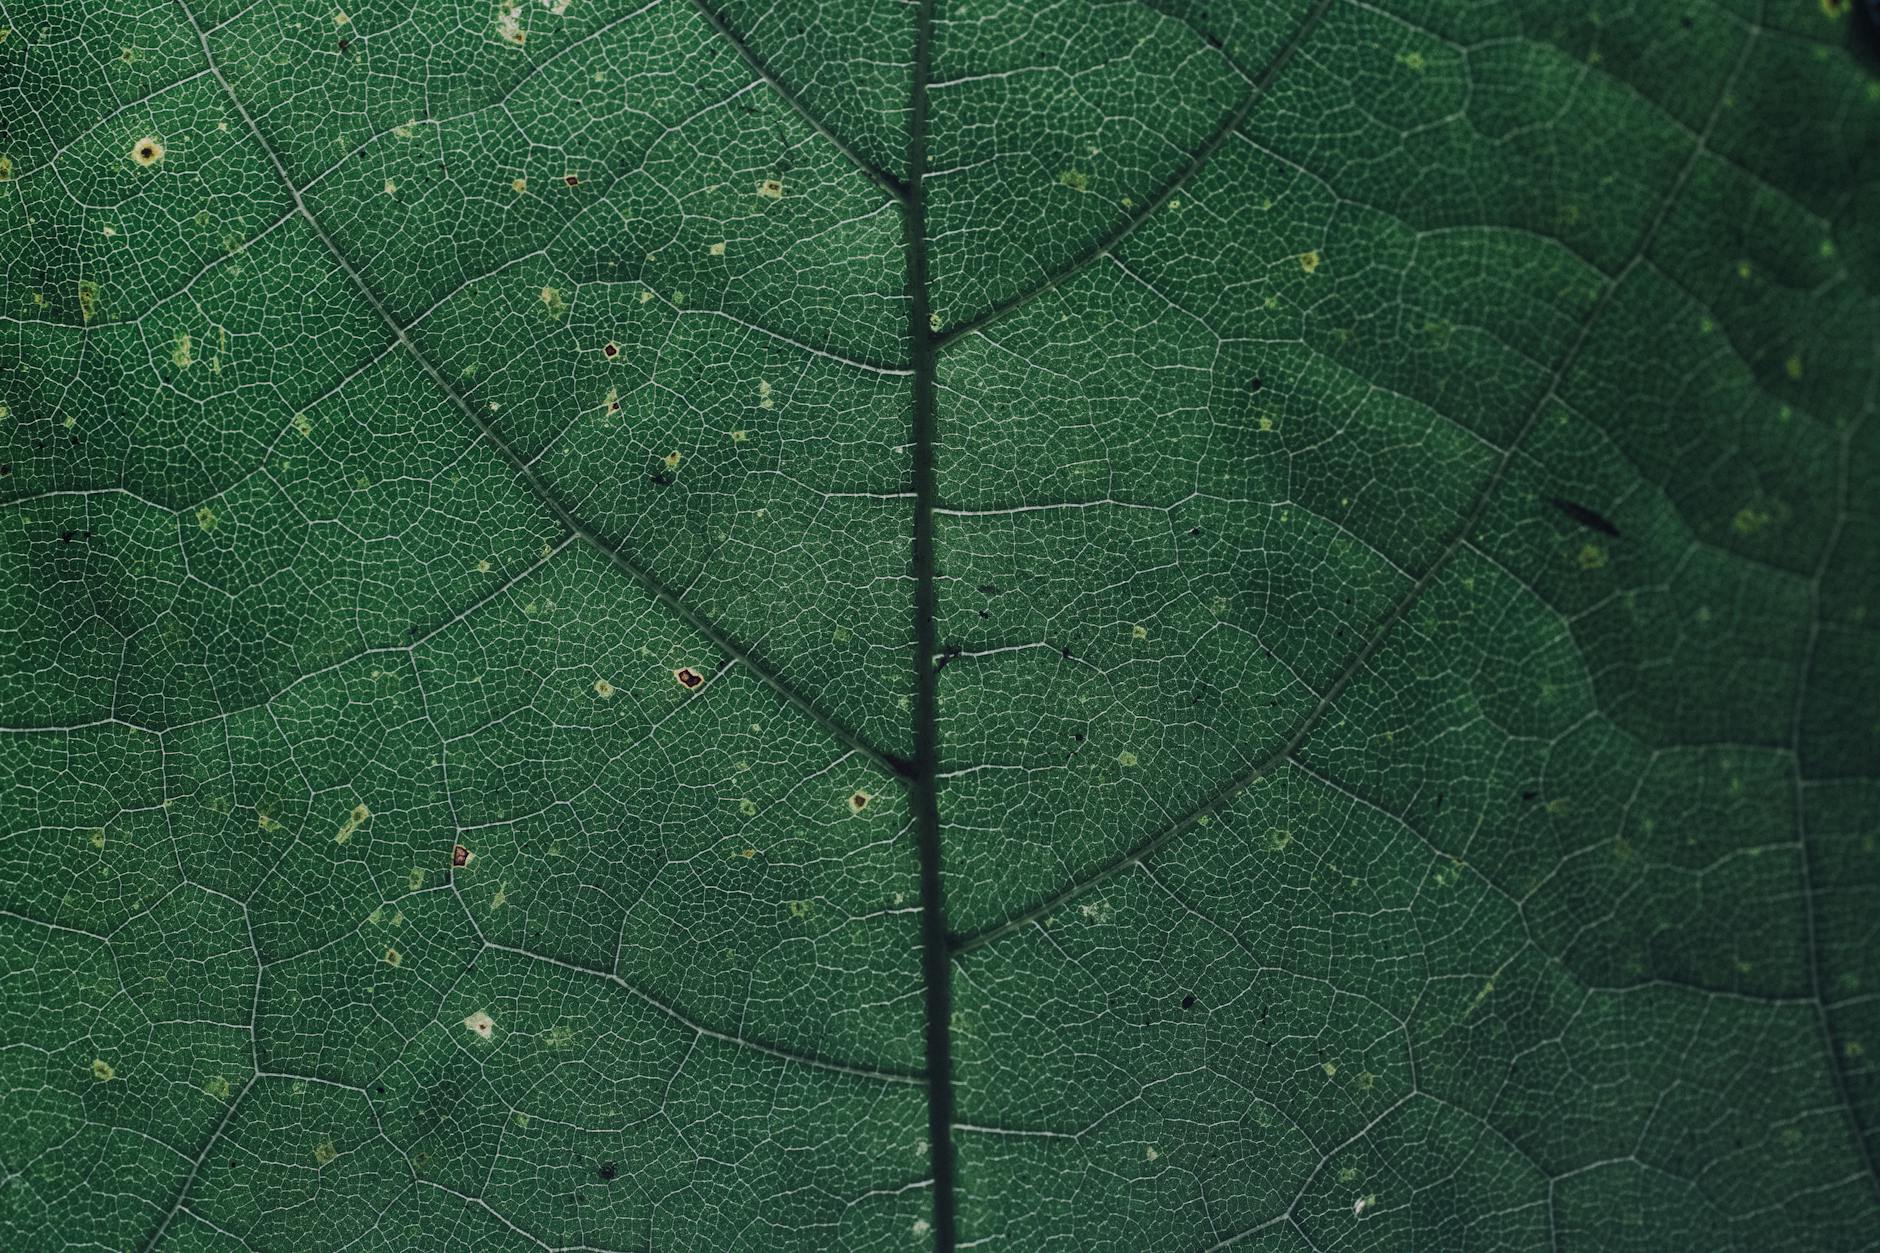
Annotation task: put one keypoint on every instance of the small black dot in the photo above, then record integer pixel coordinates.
(1188, 1002)
(1256, 385)
(607, 1172)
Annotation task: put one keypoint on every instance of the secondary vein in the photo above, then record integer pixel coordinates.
(521, 465)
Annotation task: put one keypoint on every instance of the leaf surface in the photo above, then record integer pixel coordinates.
(1126, 626)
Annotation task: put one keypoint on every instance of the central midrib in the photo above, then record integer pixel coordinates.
(923, 770)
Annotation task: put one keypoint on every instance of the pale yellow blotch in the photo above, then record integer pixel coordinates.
(770, 188)
(1412, 61)
(217, 1088)
(552, 299)
(393, 957)
(748, 853)
(646, 297)
(718, 249)
(147, 151)
(739, 437)
(1592, 557)
(672, 459)
(1793, 366)
(1743, 269)
(1749, 521)
(483, 566)
(509, 25)
(416, 878)
(747, 807)
(183, 352)
(933, 321)
(302, 425)
(324, 1152)
(858, 800)
(1076, 180)
(1309, 262)
(102, 1070)
(481, 1024)
(391, 188)
(501, 898)
(1126, 758)
(519, 185)
(206, 518)
(603, 689)
(340, 18)
(1139, 632)
(407, 130)
(353, 820)
(1834, 10)
(1330, 1069)
(799, 909)
(764, 399)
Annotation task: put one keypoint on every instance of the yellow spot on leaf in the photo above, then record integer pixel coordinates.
(205, 518)
(1126, 758)
(1749, 521)
(324, 1152)
(1309, 262)
(718, 249)
(102, 1070)
(359, 814)
(770, 189)
(393, 957)
(184, 351)
(603, 689)
(147, 151)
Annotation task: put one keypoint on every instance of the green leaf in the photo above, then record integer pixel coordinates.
(1144, 625)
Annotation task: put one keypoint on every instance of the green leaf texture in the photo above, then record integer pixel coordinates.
(912, 624)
